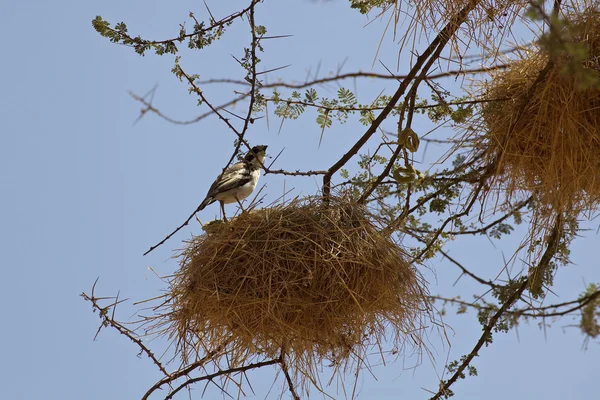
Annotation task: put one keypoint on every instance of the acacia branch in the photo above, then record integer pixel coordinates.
(410, 99)
(169, 378)
(465, 271)
(582, 302)
(185, 223)
(288, 378)
(107, 320)
(329, 109)
(411, 109)
(196, 89)
(551, 249)
(293, 173)
(441, 39)
(217, 24)
(253, 83)
(482, 340)
(359, 74)
(485, 228)
(148, 106)
(466, 211)
(240, 134)
(210, 377)
(532, 312)
(468, 177)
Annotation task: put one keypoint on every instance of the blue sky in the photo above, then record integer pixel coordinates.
(85, 193)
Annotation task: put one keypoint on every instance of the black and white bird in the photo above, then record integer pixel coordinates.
(238, 181)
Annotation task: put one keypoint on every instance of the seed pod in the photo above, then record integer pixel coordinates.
(412, 141)
(403, 135)
(403, 175)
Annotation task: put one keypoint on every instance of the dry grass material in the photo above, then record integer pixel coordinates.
(487, 16)
(320, 282)
(553, 149)
(486, 28)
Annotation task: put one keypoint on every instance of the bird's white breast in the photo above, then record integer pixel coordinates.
(240, 192)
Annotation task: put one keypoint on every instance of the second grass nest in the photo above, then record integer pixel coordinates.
(542, 119)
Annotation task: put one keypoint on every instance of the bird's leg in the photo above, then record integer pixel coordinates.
(240, 204)
(223, 210)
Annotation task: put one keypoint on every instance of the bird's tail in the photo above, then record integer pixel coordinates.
(207, 201)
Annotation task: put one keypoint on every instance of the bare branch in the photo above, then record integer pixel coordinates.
(294, 173)
(482, 340)
(440, 41)
(247, 120)
(360, 74)
(185, 223)
(551, 249)
(532, 312)
(169, 378)
(229, 371)
(288, 378)
(109, 321)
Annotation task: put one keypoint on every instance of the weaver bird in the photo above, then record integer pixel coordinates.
(238, 181)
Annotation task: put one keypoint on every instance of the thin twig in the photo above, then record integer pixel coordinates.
(551, 250)
(532, 312)
(229, 371)
(442, 38)
(360, 74)
(109, 321)
(288, 378)
(169, 378)
(482, 340)
(247, 120)
(216, 24)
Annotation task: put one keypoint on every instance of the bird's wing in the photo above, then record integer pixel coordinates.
(235, 176)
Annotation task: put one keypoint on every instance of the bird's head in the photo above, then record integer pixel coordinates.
(256, 155)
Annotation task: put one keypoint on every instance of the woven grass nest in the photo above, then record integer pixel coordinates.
(318, 281)
(553, 150)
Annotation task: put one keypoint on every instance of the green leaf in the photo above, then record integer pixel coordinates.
(311, 96)
(346, 97)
